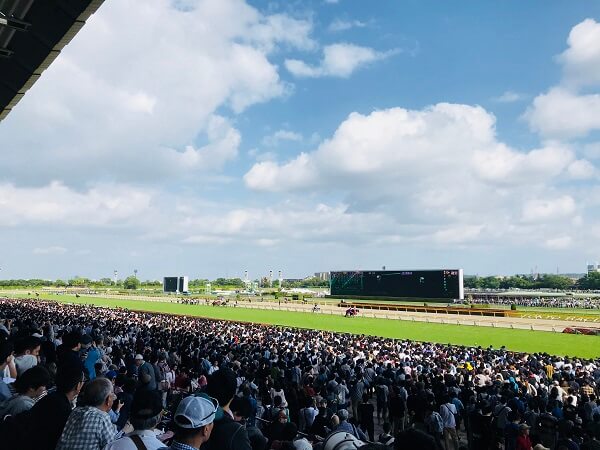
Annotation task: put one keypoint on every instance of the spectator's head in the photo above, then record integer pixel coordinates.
(524, 429)
(241, 408)
(33, 382)
(193, 420)
(222, 385)
(139, 360)
(99, 393)
(343, 414)
(146, 410)
(111, 375)
(277, 401)
(282, 416)
(335, 421)
(30, 345)
(72, 340)
(69, 380)
(86, 341)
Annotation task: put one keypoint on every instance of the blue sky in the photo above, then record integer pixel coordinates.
(209, 137)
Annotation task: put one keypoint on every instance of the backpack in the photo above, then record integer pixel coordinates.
(436, 424)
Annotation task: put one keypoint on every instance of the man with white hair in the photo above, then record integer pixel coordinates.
(89, 427)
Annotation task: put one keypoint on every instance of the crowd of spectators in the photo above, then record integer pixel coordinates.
(84, 377)
(540, 302)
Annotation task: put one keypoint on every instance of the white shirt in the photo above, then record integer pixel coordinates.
(125, 443)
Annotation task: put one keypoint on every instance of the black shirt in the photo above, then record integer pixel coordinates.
(47, 420)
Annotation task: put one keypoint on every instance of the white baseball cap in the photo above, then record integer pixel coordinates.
(196, 412)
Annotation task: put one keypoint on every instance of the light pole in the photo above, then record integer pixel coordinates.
(116, 277)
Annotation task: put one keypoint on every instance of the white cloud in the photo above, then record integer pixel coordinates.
(142, 101)
(224, 141)
(548, 209)
(581, 170)
(508, 97)
(559, 243)
(565, 112)
(505, 166)
(560, 113)
(581, 60)
(101, 205)
(54, 250)
(339, 60)
(399, 144)
(273, 140)
(343, 25)
(439, 172)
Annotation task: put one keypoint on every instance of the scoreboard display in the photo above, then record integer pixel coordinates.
(413, 284)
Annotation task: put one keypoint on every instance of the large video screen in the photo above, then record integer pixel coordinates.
(414, 284)
(170, 284)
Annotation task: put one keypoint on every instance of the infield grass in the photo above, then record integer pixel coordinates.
(512, 339)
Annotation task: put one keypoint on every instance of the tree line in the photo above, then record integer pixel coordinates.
(525, 282)
(133, 282)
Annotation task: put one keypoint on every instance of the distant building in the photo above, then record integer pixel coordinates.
(593, 267)
(322, 276)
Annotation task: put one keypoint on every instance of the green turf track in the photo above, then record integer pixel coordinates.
(518, 340)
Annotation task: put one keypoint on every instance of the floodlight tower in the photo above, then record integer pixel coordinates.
(270, 278)
(280, 278)
(115, 273)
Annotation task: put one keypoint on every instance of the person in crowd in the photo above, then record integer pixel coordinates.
(366, 412)
(348, 427)
(435, 426)
(448, 412)
(27, 352)
(68, 353)
(227, 433)
(89, 426)
(30, 385)
(49, 416)
(146, 414)
(92, 356)
(194, 423)
(241, 409)
(6, 357)
(320, 426)
(308, 414)
(382, 392)
(523, 439)
(146, 374)
(386, 438)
